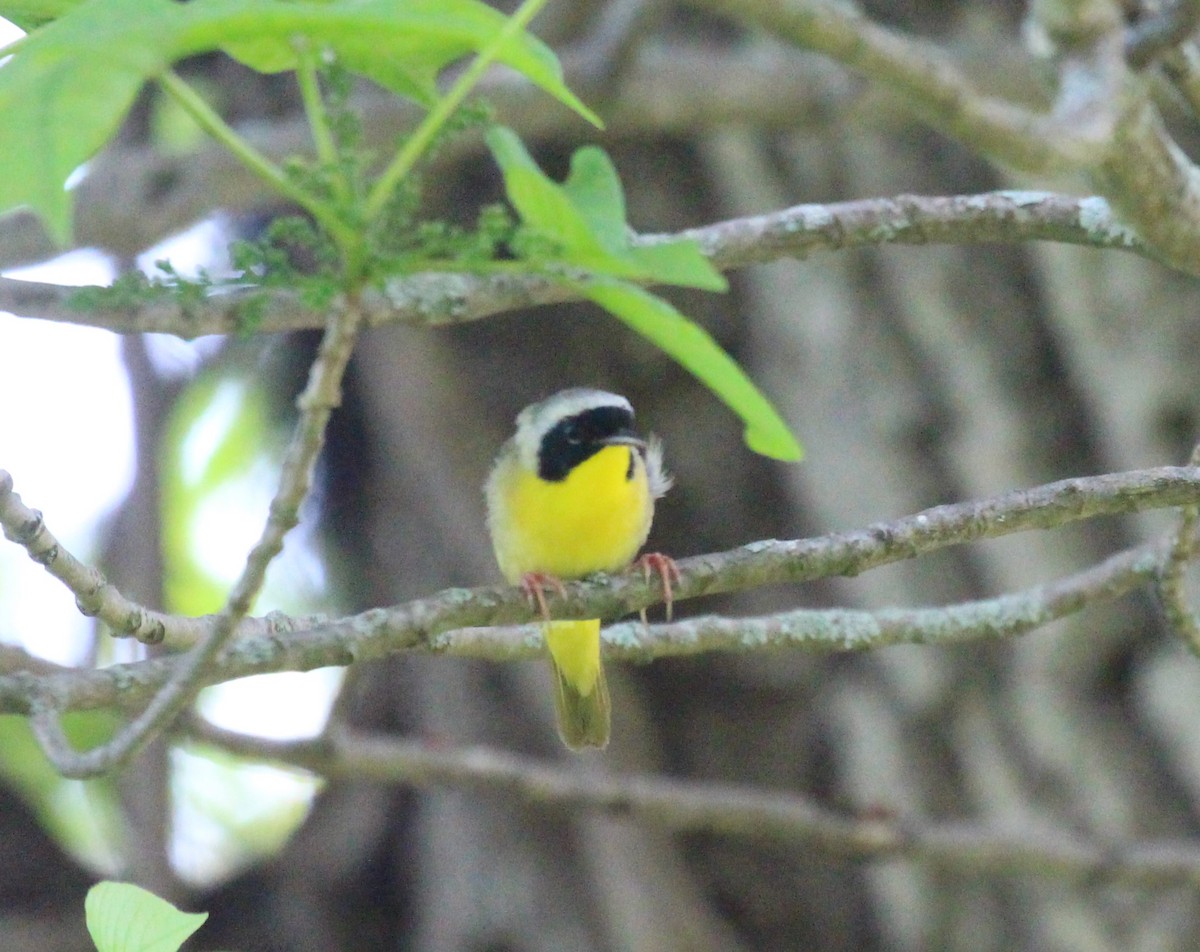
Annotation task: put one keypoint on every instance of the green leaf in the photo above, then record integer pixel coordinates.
(679, 262)
(584, 222)
(122, 917)
(403, 46)
(694, 348)
(585, 218)
(69, 84)
(61, 98)
(542, 203)
(28, 14)
(593, 187)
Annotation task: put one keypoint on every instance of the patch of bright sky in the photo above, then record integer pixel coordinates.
(9, 33)
(68, 444)
(188, 253)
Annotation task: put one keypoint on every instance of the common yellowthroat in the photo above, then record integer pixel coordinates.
(571, 493)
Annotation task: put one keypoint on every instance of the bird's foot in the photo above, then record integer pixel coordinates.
(668, 573)
(534, 585)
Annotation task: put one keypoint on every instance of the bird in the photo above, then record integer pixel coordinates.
(572, 493)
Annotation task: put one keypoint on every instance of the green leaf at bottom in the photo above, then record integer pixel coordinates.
(122, 917)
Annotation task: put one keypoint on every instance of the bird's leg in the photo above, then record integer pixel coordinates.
(668, 573)
(533, 584)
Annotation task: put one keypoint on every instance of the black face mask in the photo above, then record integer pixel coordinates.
(580, 437)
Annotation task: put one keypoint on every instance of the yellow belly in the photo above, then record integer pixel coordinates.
(595, 520)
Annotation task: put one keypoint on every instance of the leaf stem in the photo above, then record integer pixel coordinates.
(416, 145)
(318, 119)
(211, 122)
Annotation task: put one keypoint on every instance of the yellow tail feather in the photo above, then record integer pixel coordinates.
(580, 691)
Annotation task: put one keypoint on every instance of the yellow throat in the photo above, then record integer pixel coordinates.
(594, 520)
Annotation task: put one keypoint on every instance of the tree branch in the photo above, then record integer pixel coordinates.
(922, 74)
(435, 299)
(1103, 123)
(93, 593)
(841, 629)
(1183, 548)
(14, 658)
(723, 809)
(1161, 31)
(280, 644)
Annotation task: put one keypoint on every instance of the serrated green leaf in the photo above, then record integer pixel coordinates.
(402, 47)
(70, 83)
(122, 917)
(61, 97)
(694, 348)
(585, 218)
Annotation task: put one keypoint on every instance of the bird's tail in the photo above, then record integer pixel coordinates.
(580, 691)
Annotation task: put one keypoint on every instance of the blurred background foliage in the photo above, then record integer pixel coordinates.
(914, 376)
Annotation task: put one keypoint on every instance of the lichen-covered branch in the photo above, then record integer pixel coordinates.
(842, 629)
(451, 621)
(1103, 122)
(928, 80)
(433, 299)
(690, 806)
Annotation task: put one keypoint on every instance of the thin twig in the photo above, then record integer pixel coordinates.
(1169, 583)
(188, 673)
(1161, 31)
(922, 74)
(797, 232)
(93, 593)
(14, 658)
(724, 809)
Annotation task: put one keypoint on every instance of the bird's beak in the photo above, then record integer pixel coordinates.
(625, 438)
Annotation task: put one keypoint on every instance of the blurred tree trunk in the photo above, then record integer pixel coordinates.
(915, 376)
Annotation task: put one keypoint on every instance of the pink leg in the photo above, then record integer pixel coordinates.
(668, 573)
(534, 585)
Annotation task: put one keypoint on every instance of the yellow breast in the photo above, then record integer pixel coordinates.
(595, 520)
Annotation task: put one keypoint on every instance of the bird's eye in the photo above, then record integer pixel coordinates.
(572, 434)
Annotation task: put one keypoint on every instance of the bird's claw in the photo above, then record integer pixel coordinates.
(533, 584)
(668, 573)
